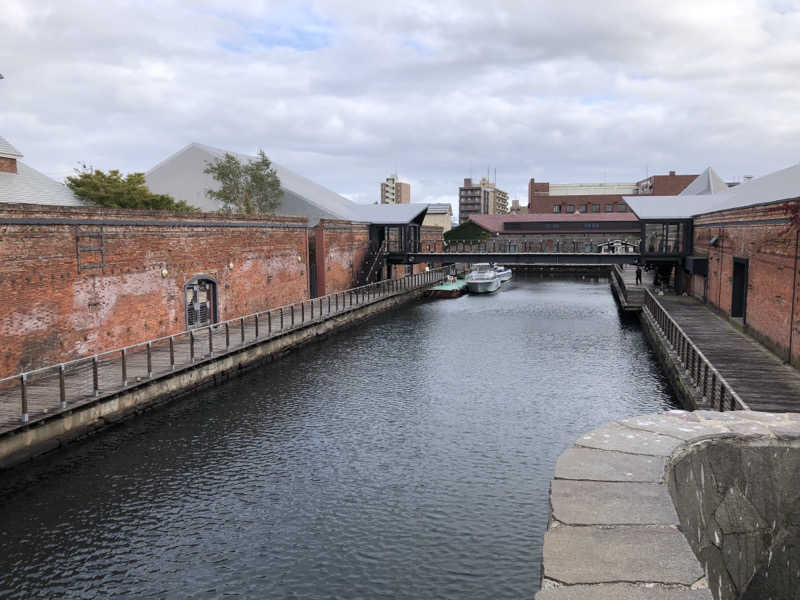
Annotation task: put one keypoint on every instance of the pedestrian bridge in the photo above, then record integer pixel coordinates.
(540, 252)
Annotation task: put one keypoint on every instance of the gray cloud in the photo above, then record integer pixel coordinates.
(345, 93)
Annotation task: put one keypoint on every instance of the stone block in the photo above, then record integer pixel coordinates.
(574, 555)
(601, 465)
(612, 503)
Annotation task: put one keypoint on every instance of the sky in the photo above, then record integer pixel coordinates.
(347, 93)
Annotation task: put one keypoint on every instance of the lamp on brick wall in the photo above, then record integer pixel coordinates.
(714, 241)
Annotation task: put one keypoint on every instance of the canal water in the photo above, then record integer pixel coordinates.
(409, 457)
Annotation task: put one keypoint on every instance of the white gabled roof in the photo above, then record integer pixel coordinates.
(777, 186)
(181, 175)
(7, 150)
(708, 182)
(29, 186)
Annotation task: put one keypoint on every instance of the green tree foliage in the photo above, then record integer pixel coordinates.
(250, 188)
(113, 190)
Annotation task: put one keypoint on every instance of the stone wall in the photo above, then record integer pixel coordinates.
(763, 235)
(53, 311)
(615, 532)
(739, 504)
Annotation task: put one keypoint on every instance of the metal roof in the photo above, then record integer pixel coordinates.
(29, 186)
(181, 175)
(6, 149)
(780, 185)
(708, 182)
(438, 208)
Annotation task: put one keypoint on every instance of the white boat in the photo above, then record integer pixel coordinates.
(483, 279)
(504, 273)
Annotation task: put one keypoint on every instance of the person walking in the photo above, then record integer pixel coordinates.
(638, 275)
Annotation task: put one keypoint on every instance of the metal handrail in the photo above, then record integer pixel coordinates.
(260, 325)
(693, 361)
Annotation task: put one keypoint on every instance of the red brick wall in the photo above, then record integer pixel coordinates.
(8, 165)
(544, 204)
(763, 235)
(51, 312)
(340, 248)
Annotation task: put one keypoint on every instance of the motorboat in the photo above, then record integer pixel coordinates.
(504, 273)
(483, 279)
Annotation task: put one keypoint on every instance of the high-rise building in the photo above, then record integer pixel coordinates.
(394, 191)
(482, 198)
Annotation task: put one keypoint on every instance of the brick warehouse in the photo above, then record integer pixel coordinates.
(62, 300)
(761, 244)
(736, 249)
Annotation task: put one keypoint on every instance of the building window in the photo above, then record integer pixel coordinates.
(556, 208)
(582, 208)
(609, 208)
(595, 208)
(570, 208)
(622, 208)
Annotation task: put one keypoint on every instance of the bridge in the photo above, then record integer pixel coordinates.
(555, 251)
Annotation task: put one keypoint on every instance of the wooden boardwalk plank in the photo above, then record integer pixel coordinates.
(760, 378)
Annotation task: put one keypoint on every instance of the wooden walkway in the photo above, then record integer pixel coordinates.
(623, 279)
(759, 377)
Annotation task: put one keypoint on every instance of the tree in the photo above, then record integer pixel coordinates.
(250, 188)
(113, 190)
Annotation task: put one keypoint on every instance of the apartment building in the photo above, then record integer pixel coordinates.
(482, 198)
(394, 191)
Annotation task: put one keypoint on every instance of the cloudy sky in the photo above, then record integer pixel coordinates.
(347, 92)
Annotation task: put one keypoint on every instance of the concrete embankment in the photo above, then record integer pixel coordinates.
(61, 427)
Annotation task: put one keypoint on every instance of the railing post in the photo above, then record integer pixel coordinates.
(124, 355)
(256, 317)
(23, 387)
(241, 324)
(191, 345)
(210, 341)
(95, 377)
(269, 322)
(721, 397)
(329, 304)
(149, 359)
(311, 303)
(171, 353)
(227, 336)
(336, 299)
(292, 321)
(62, 387)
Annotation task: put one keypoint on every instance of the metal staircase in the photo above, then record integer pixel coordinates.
(371, 267)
